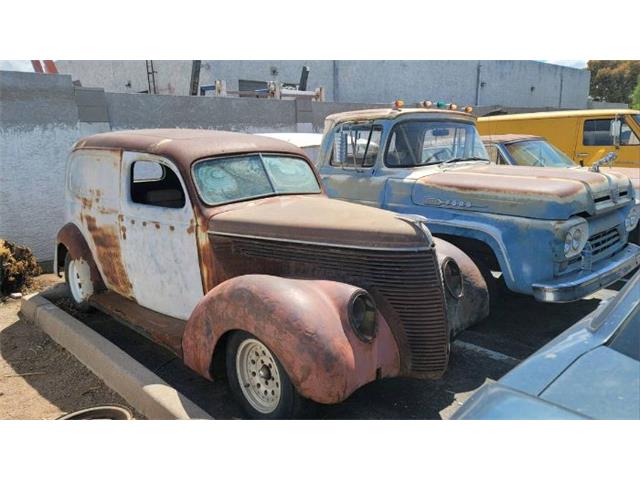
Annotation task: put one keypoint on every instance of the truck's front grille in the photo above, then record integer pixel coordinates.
(600, 242)
(409, 281)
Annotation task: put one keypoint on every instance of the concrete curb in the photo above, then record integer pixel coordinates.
(143, 389)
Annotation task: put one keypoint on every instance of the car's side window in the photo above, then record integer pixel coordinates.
(356, 146)
(155, 184)
(492, 151)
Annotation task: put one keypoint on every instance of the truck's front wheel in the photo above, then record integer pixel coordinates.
(258, 381)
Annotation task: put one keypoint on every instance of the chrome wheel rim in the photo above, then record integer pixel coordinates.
(79, 279)
(258, 375)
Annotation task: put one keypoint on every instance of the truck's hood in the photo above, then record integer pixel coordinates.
(534, 192)
(318, 219)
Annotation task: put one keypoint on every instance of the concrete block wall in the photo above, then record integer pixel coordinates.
(39, 123)
(477, 82)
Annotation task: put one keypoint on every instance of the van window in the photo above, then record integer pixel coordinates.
(155, 184)
(627, 137)
(597, 133)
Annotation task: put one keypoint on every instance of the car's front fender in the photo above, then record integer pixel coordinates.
(304, 322)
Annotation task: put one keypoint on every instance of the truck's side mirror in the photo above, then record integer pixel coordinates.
(615, 129)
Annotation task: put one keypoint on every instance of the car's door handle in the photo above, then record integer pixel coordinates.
(581, 154)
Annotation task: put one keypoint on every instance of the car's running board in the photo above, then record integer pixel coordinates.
(162, 329)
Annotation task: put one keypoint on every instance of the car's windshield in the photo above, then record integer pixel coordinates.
(417, 143)
(243, 177)
(538, 153)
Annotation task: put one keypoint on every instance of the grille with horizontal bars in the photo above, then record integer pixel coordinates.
(408, 280)
(602, 241)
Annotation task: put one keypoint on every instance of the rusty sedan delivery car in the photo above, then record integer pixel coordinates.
(223, 248)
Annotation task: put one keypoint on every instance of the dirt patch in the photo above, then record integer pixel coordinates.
(38, 378)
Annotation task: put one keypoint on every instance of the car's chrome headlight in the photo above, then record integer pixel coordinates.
(362, 316)
(575, 240)
(632, 219)
(452, 278)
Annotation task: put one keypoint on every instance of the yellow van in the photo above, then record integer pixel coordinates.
(584, 135)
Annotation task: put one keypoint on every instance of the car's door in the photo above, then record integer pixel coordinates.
(158, 239)
(595, 141)
(349, 172)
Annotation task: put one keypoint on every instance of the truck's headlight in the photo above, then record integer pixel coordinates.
(632, 219)
(362, 316)
(575, 240)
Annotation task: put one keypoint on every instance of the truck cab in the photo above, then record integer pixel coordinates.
(556, 234)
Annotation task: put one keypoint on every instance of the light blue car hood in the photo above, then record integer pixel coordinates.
(603, 384)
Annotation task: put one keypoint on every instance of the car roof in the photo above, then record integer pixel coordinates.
(184, 146)
(509, 138)
(389, 113)
(561, 114)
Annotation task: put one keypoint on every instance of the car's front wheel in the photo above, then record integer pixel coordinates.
(258, 381)
(78, 277)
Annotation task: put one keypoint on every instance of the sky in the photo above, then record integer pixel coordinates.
(25, 65)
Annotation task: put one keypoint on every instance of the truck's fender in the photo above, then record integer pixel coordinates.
(473, 305)
(488, 234)
(304, 322)
(74, 242)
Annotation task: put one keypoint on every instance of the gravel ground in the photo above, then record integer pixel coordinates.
(38, 378)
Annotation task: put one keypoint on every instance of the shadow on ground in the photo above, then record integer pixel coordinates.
(517, 328)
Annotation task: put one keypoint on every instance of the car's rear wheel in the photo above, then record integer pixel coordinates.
(77, 274)
(258, 381)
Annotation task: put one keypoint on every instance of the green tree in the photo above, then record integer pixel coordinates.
(635, 98)
(613, 80)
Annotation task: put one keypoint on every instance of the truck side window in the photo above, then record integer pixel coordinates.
(154, 184)
(356, 146)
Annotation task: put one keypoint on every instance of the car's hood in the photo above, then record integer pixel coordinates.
(318, 219)
(602, 383)
(534, 192)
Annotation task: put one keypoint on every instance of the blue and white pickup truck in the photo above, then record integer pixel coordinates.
(556, 234)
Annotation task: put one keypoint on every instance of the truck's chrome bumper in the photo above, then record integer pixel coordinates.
(583, 283)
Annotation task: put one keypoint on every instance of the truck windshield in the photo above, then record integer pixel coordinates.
(244, 177)
(417, 143)
(538, 153)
